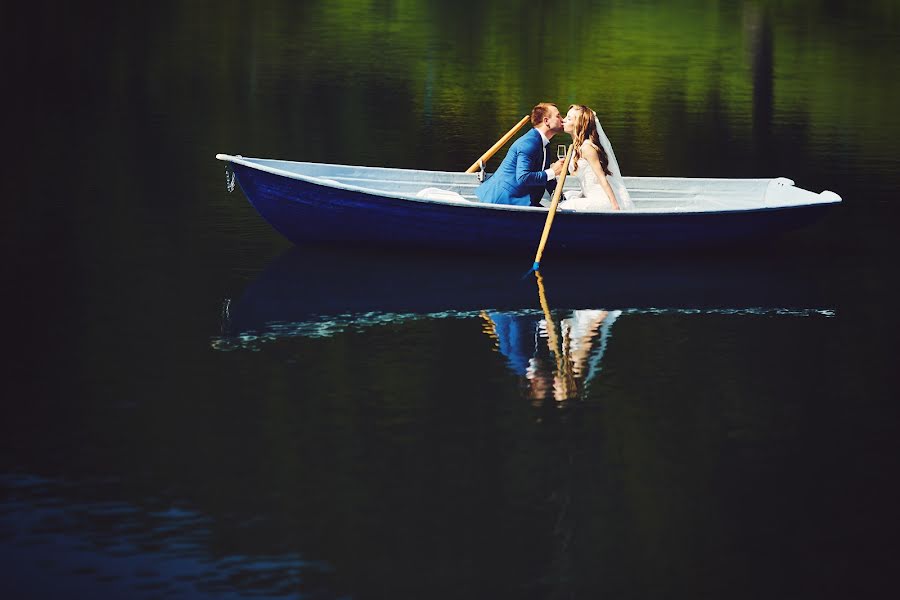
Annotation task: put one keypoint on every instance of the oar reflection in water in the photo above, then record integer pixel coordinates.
(555, 357)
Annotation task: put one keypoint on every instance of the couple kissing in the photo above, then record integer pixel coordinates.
(526, 173)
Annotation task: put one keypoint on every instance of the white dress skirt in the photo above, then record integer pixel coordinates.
(591, 196)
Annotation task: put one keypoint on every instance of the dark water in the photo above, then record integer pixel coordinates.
(194, 409)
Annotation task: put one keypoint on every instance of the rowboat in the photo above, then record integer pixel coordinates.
(316, 202)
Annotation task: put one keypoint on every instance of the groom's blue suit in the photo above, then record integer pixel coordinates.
(520, 178)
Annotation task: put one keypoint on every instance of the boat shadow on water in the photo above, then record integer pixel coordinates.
(551, 329)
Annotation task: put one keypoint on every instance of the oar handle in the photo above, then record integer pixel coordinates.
(553, 204)
(493, 149)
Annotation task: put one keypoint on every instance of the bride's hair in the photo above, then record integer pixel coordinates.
(586, 128)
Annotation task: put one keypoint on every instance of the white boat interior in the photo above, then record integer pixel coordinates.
(650, 194)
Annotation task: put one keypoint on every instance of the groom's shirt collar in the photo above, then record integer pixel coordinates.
(543, 137)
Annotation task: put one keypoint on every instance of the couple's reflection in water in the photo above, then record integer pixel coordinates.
(556, 356)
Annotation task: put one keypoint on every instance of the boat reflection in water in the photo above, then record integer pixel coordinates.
(551, 330)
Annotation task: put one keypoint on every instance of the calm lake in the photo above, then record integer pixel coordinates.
(195, 408)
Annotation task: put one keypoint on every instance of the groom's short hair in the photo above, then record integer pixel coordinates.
(539, 112)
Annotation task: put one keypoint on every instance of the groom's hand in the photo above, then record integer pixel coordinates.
(557, 167)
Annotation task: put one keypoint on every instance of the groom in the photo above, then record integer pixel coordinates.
(525, 173)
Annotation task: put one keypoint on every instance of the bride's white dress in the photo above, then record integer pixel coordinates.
(591, 195)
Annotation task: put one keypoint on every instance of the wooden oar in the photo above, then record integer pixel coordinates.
(493, 149)
(553, 204)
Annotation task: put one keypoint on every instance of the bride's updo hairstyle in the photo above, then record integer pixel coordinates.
(586, 129)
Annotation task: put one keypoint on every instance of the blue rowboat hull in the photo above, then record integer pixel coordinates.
(305, 211)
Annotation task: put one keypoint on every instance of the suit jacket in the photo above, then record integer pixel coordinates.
(520, 178)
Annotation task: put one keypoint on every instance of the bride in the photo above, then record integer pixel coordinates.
(593, 164)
